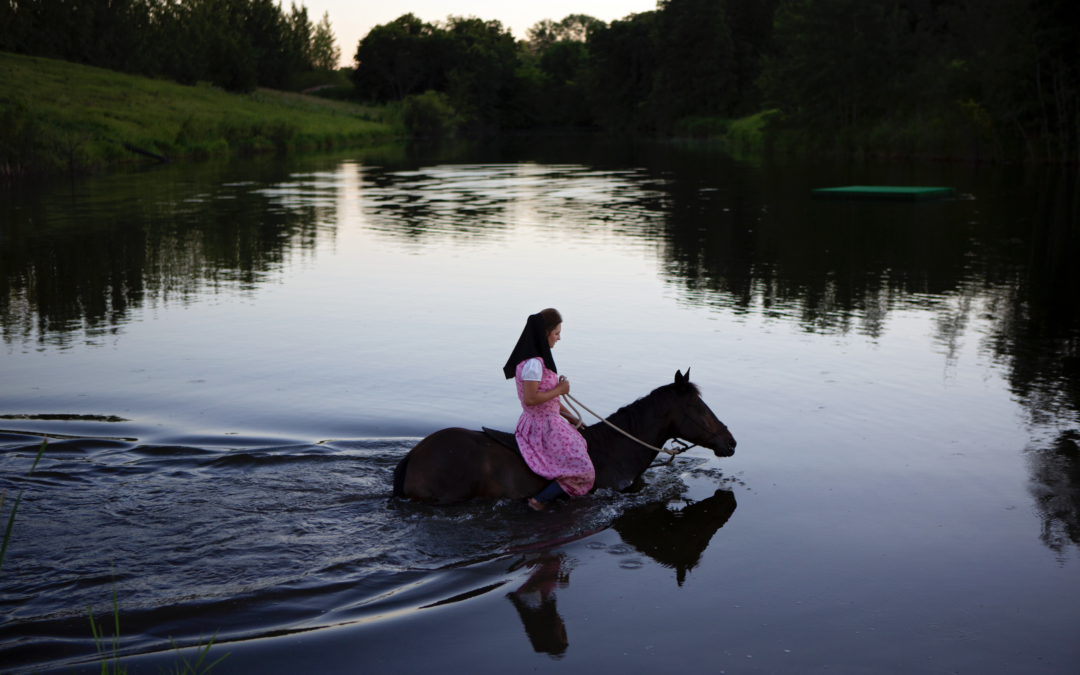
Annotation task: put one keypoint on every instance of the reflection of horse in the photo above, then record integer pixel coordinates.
(455, 464)
(535, 603)
(675, 539)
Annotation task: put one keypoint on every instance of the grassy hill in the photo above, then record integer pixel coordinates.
(58, 116)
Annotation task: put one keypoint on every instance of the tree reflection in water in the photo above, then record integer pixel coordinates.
(742, 238)
(1004, 257)
(1055, 486)
(76, 265)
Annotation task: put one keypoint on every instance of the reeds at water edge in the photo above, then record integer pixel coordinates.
(15, 508)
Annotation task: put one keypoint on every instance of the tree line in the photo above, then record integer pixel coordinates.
(990, 79)
(642, 73)
(233, 44)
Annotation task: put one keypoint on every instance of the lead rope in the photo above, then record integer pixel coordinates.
(580, 423)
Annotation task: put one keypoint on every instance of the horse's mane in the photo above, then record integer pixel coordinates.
(620, 469)
(631, 416)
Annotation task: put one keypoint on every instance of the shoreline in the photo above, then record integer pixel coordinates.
(64, 118)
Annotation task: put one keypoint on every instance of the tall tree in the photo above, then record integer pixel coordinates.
(573, 27)
(696, 72)
(399, 58)
(481, 61)
(324, 52)
(838, 62)
(622, 72)
(751, 26)
(554, 71)
(1022, 63)
(298, 41)
(474, 62)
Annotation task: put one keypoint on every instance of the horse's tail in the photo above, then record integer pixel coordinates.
(399, 476)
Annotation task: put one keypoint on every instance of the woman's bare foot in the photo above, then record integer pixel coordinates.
(535, 505)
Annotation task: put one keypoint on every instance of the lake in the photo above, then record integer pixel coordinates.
(229, 359)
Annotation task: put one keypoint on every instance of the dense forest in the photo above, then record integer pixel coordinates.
(982, 79)
(234, 44)
(976, 79)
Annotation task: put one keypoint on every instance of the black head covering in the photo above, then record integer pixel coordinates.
(532, 343)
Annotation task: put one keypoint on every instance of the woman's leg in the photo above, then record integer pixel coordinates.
(552, 492)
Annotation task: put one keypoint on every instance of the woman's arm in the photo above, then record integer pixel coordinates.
(533, 396)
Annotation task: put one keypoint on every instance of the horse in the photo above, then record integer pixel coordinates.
(455, 464)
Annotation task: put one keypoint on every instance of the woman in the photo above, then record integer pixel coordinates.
(550, 445)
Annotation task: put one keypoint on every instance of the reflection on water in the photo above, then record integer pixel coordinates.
(1055, 487)
(265, 540)
(676, 539)
(732, 237)
(484, 200)
(312, 290)
(840, 268)
(77, 262)
(535, 599)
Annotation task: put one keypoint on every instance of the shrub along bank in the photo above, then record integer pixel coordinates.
(60, 116)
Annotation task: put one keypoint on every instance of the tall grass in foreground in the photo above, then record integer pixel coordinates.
(109, 649)
(195, 665)
(15, 508)
(103, 646)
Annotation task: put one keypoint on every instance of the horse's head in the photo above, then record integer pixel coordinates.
(694, 422)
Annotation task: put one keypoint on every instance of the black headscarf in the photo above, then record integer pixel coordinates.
(532, 343)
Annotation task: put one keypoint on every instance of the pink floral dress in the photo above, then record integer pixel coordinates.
(550, 445)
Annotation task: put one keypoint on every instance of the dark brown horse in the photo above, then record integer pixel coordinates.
(456, 464)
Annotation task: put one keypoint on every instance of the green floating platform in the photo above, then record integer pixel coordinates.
(880, 192)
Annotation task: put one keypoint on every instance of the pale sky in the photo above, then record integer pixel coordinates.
(352, 20)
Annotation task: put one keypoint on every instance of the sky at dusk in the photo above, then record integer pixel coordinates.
(352, 20)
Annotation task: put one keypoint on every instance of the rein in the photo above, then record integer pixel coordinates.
(580, 423)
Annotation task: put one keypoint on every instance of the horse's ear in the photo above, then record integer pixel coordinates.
(679, 379)
(687, 374)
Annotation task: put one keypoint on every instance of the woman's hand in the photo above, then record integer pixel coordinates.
(563, 387)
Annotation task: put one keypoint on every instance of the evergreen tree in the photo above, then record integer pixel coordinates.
(324, 52)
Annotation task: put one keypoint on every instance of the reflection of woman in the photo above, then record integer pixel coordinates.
(550, 445)
(535, 603)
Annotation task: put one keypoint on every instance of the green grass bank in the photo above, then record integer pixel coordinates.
(58, 116)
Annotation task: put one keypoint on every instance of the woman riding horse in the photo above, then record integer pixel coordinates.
(550, 446)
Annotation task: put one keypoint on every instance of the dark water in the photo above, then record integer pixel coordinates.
(230, 358)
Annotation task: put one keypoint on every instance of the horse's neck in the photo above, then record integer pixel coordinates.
(653, 431)
(635, 420)
(618, 443)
